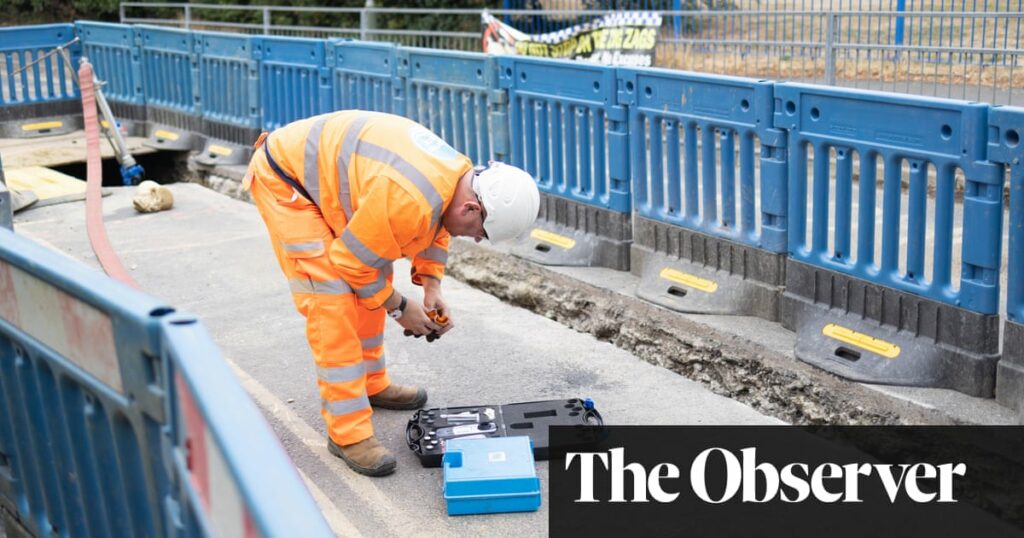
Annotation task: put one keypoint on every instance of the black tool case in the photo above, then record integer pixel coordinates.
(429, 429)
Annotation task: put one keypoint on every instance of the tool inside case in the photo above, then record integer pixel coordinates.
(430, 429)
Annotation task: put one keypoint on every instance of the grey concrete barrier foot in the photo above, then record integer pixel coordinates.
(220, 153)
(552, 244)
(1010, 373)
(860, 349)
(685, 286)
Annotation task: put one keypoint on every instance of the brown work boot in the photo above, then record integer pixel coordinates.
(399, 397)
(367, 457)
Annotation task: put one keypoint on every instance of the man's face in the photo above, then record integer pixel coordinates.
(467, 220)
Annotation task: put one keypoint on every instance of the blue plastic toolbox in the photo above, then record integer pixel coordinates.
(485, 476)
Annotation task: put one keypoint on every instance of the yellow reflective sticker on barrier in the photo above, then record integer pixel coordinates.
(42, 125)
(553, 238)
(104, 124)
(219, 150)
(688, 280)
(861, 340)
(166, 135)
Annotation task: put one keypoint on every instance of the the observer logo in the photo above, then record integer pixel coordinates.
(750, 481)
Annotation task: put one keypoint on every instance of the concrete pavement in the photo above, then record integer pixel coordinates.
(210, 255)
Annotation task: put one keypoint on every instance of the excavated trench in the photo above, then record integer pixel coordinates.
(774, 384)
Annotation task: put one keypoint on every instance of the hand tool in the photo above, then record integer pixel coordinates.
(437, 318)
(468, 416)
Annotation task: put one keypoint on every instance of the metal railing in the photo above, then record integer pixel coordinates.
(964, 50)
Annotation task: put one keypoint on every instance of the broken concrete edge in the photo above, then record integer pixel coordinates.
(730, 365)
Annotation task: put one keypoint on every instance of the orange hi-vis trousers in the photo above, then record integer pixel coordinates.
(346, 338)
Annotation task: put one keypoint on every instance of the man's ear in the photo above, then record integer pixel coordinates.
(469, 206)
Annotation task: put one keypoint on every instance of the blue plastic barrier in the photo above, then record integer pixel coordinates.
(935, 134)
(872, 317)
(81, 403)
(46, 80)
(43, 90)
(295, 82)
(168, 62)
(229, 90)
(1006, 126)
(232, 477)
(96, 380)
(229, 78)
(695, 156)
(453, 94)
(113, 51)
(364, 76)
(567, 130)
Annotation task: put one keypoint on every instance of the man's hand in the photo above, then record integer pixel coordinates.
(432, 300)
(415, 319)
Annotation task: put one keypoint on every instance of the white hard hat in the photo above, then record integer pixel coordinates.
(510, 197)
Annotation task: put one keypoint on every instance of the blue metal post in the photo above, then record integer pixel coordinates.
(901, 6)
(677, 20)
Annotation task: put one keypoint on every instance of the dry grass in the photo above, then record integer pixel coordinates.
(772, 24)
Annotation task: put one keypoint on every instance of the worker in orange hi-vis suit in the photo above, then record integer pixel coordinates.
(345, 194)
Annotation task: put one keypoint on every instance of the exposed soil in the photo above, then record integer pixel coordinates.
(775, 385)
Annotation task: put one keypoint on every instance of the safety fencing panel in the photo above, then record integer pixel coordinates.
(709, 187)
(81, 402)
(120, 418)
(363, 76)
(113, 50)
(229, 95)
(453, 94)
(568, 132)
(37, 91)
(295, 82)
(171, 85)
(231, 476)
(1006, 126)
(889, 259)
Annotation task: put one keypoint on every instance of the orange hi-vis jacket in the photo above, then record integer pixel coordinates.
(382, 183)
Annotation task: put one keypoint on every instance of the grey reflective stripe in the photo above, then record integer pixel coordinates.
(361, 251)
(373, 341)
(311, 160)
(348, 147)
(344, 407)
(374, 287)
(300, 285)
(392, 159)
(375, 366)
(341, 373)
(437, 254)
(330, 287)
(311, 246)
